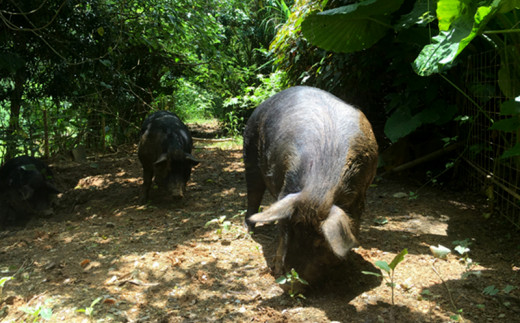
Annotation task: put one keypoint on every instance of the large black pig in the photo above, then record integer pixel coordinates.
(317, 155)
(165, 154)
(27, 189)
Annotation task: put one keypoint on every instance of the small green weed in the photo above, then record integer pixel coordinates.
(493, 291)
(462, 247)
(458, 316)
(38, 312)
(292, 278)
(223, 224)
(234, 123)
(89, 311)
(4, 280)
(389, 269)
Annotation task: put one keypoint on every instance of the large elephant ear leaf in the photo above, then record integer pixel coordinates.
(350, 28)
(459, 23)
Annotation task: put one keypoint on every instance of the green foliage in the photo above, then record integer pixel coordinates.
(402, 122)
(462, 248)
(89, 311)
(422, 14)
(223, 224)
(99, 67)
(39, 311)
(292, 278)
(352, 27)
(275, 13)
(290, 51)
(239, 108)
(4, 280)
(413, 196)
(493, 291)
(509, 125)
(392, 35)
(490, 290)
(459, 23)
(189, 101)
(509, 72)
(389, 269)
(360, 25)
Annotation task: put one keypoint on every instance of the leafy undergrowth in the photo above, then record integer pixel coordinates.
(104, 257)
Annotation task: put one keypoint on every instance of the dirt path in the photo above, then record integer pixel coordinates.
(191, 260)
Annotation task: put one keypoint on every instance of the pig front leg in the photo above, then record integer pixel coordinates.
(255, 192)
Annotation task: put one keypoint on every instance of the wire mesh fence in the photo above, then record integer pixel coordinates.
(497, 177)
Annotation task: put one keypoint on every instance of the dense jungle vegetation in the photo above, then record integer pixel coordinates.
(88, 72)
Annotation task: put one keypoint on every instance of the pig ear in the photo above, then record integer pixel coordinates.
(194, 161)
(337, 232)
(163, 158)
(279, 210)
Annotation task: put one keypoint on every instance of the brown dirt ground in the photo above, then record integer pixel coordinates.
(166, 262)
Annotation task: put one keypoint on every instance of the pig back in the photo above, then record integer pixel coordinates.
(163, 129)
(308, 140)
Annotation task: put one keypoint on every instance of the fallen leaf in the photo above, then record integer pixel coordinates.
(84, 263)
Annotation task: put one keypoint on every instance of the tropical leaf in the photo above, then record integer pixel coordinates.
(371, 273)
(511, 152)
(509, 72)
(350, 28)
(383, 265)
(398, 258)
(458, 25)
(400, 124)
(507, 125)
(434, 58)
(511, 107)
(508, 5)
(422, 13)
(448, 11)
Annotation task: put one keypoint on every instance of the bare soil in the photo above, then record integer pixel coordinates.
(190, 260)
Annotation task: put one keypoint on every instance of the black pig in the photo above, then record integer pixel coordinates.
(27, 189)
(165, 154)
(317, 155)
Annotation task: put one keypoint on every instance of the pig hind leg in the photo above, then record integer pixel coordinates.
(147, 183)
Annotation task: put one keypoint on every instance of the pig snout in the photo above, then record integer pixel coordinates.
(177, 190)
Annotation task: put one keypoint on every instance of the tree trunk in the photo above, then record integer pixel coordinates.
(14, 117)
(45, 134)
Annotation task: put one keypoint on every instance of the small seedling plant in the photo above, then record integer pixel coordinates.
(492, 290)
(223, 224)
(462, 247)
(4, 280)
(38, 312)
(292, 278)
(89, 311)
(389, 269)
